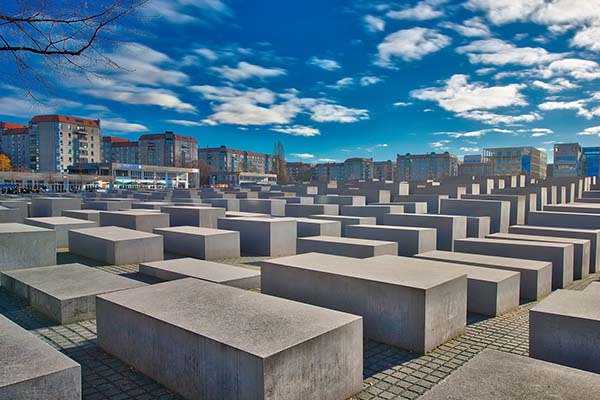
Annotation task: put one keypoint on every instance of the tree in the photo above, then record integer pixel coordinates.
(5, 164)
(42, 35)
(279, 162)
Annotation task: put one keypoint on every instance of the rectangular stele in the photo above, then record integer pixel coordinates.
(264, 236)
(211, 341)
(31, 369)
(203, 243)
(26, 246)
(64, 293)
(61, 225)
(346, 246)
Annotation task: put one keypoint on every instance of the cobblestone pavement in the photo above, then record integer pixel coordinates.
(389, 372)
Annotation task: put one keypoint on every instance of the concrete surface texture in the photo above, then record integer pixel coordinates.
(518, 204)
(478, 227)
(274, 207)
(346, 246)
(17, 244)
(449, 227)
(498, 211)
(60, 225)
(371, 211)
(305, 210)
(204, 243)
(90, 215)
(65, 293)
(229, 343)
(411, 240)
(205, 217)
(318, 227)
(53, 206)
(264, 236)
(140, 220)
(346, 220)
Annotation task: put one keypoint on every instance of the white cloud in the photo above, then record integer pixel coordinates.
(422, 11)
(469, 149)
(588, 37)
(22, 108)
(325, 112)
(491, 118)
(441, 144)
(303, 156)
(175, 11)
(576, 68)
(499, 52)
(557, 85)
(402, 104)
(121, 125)
(473, 27)
(539, 132)
(476, 134)
(373, 23)
(369, 80)
(458, 95)
(580, 106)
(327, 160)
(504, 11)
(410, 44)
(207, 53)
(183, 122)
(245, 70)
(297, 130)
(594, 130)
(324, 63)
(342, 83)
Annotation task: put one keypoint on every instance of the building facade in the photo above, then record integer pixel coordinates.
(326, 172)
(225, 165)
(592, 161)
(14, 143)
(167, 149)
(421, 167)
(58, 141)
(107, 145)
(358, 169)
(300, 172)
(515, 161)
(473, 165)
(384, 170)
(119, 150)
(568, 160)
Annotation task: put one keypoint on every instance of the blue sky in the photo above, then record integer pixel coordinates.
(335, 79)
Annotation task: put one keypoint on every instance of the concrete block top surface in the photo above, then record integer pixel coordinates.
(133, 212)
(60, 221)
(557, 229)
(194, 230)
(537, 238)
(394, 227)
(497, 375)
(240, 214)
(571, 303)
(114, 233)
(13, 227)
(346, 240)
(25, 357)
(265, 219)
(205, 270)
(516, 242)
(252, 322)
(83, 211)
(70, 281)
(487, 260)
(420, 277)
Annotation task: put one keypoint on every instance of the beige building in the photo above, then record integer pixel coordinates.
(167, 149)
(516, 160)
(14, 142)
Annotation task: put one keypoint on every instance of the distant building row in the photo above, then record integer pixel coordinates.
(349, 170)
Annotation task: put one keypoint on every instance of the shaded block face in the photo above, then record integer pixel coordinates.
(228, 343)
(65, 293)
(243, 278)
(205, 217)
(413, 308)
(410, 240)
(204, 243)
(478, 227)
(274, 207)
(115, 245)
(305, 210)
(564, 219)
(139, 220)
(449, 227)
(346, 220)
(264, 236)
(26, 246)
(318, 227)
(60, 225)
(341, 200)
(227, 204)
(33, 370)
(8, 215)
(493, 375)
(563, 329)
(371, 211)
(90, 215)
(518, 205)
(498, 211)
(345, 246)
(53, 206)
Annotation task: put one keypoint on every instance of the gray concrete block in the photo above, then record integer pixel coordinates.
(228, 343)
(581, 208)
(410, 207)
(299, 200)
(346, 220)
(559, 254)
(204, 243)
(64, 293)
(490, 292)
(318, 227)
(518, 205)
(20, 210)
(240, 214)
(205, 217)
(535, 276)
(564, 219)
(345, 246)
(411, 240)
(264, 236)
(115, 245)
(31, 369)
(139, 220)
(53, 206)
(150, 205)
(227, 204)
(274, 207)
(495, 375)
(498, 211)
(60, 225)
(449, 227)
(371, 211)
(180, 268)
(8, 215)
(341, 200)
(415, 308)
(305, 210)
(107, 205)
(563, 329)
(90, 215)
(432, 200)
(26, 246)
(478, 227)
(581, 250)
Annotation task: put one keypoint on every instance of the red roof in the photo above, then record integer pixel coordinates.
(11, 125)
(66, 119)
(16, 131)
(162, 136)
(113, 139)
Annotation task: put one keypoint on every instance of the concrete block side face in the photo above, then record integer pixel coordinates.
(138, 250)
(328, 367)
(185, 245)
(508, 294)
(218, 247)
(565, 340)
(283, 237)
(445, 312)
(16, 250)
(189, 364)
(63, 385)
(91, 247)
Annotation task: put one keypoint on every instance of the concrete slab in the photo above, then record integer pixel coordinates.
(205, 217)
(305, 210)
(563, 329)
(60, 225)
(53, 206)
(371, 211)
(17, 242)
(581, 251)
(564, 219)
(411, 240)
(273, 207)
(449, 227)
(344, 246)
(498, 211)
(518, 204)
(582, 208)
(8, 215)
(478, 227)
(115, 245)
(411, 207)
(227, 204)
(180, 268)
(89, 215)
(497, 375)
(108, 205)
(31, 369)
(415, 308)
(264, 236)
(212, 341)
(559, 254)
(490, 292)
(64, 293)
(139, 220)
(341, 200)
(346, 220)
(432, 200)
(150, 205)
(204, 243)
(318, 227)
(240, 214)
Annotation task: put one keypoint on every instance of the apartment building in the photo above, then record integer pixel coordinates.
(516, 161)
(384, 170)
(167, 149)
(569, 160)
(225, 165)
(421, 167)
(473, 165)
(119, 150)
(14, 143)
(300, 172)
(358, 169)
(592, 161)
